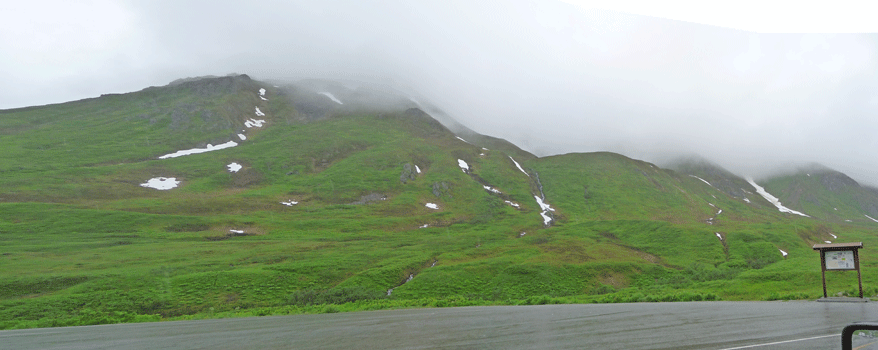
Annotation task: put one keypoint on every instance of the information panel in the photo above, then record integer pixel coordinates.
(840, 260)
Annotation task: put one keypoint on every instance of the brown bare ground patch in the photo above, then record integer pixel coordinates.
(566, 251)
(616, 280)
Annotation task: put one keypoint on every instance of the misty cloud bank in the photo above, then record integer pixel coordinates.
(547, 76)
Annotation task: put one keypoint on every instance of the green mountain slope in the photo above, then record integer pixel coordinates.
(337, 197)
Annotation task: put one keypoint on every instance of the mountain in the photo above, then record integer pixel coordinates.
(228, 196)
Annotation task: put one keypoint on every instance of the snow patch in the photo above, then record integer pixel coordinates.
(871, 218)
(719, 212)
(522, 234)
(331, 97)
(290, 203)
(774, 200)
(833, 236)
(251, 123)
(237, 231)
(242, 137)
(209, 148)
(545, 210)
(458, 137)
(543, 205)
(719, 236)
(491, 189)
(703, 180)
(161, 183)
(431, 206)
(546, 219)
(513, 204)
(234, 167)
(746, 200)
(519, 166)
(827, 242)
(463, 166)
(783, 252)
(424, 226)
(417, 169)
(259, 113)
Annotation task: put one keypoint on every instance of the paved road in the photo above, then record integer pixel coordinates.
(695, 325)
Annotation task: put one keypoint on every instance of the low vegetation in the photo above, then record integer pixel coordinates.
(82, 243)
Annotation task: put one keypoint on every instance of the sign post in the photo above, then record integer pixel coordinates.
(840, 256)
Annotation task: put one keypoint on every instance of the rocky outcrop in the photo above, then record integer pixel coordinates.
(441, 189)
(408, 173)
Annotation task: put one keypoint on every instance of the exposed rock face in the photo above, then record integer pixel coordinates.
(408, 173)
(441, 188)
(835, 181)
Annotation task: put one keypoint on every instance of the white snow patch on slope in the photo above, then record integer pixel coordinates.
(254, 123)
(431, 205)
(259, 113)
(515, 205)
(331, 97)
(236, 231)
(746, 200)
(161, 183)
(463, 166)
(719, 212)
(458, 137)
(873, 219)
(703, 180)
(546, 218)
(491, 189)
(519, 166)
(424, 226)
(290, 203)
(234, 167)
(833, 236)
(719, 236)
(209, 148)
(545, 211)
(417, 169)
(242, 137)
(262, 94)
(827, 242)
(783, 252)
(773, 199)
(543, 205)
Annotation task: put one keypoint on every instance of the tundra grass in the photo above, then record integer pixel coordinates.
(81, 242)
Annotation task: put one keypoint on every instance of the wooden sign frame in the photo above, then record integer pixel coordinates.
(840, 247)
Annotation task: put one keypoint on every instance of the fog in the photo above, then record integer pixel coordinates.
(548, 76)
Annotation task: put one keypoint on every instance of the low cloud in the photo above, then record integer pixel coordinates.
(548, 76)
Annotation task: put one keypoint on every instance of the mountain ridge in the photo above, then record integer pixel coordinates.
(307, 198)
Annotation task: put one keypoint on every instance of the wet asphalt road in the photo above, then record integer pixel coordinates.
(695, 325)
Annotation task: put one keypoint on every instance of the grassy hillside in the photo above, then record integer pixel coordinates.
(331, 211)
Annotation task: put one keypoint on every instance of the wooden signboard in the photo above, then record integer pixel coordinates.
(840, 256)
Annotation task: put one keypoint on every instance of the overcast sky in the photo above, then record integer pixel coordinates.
(731, 84)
